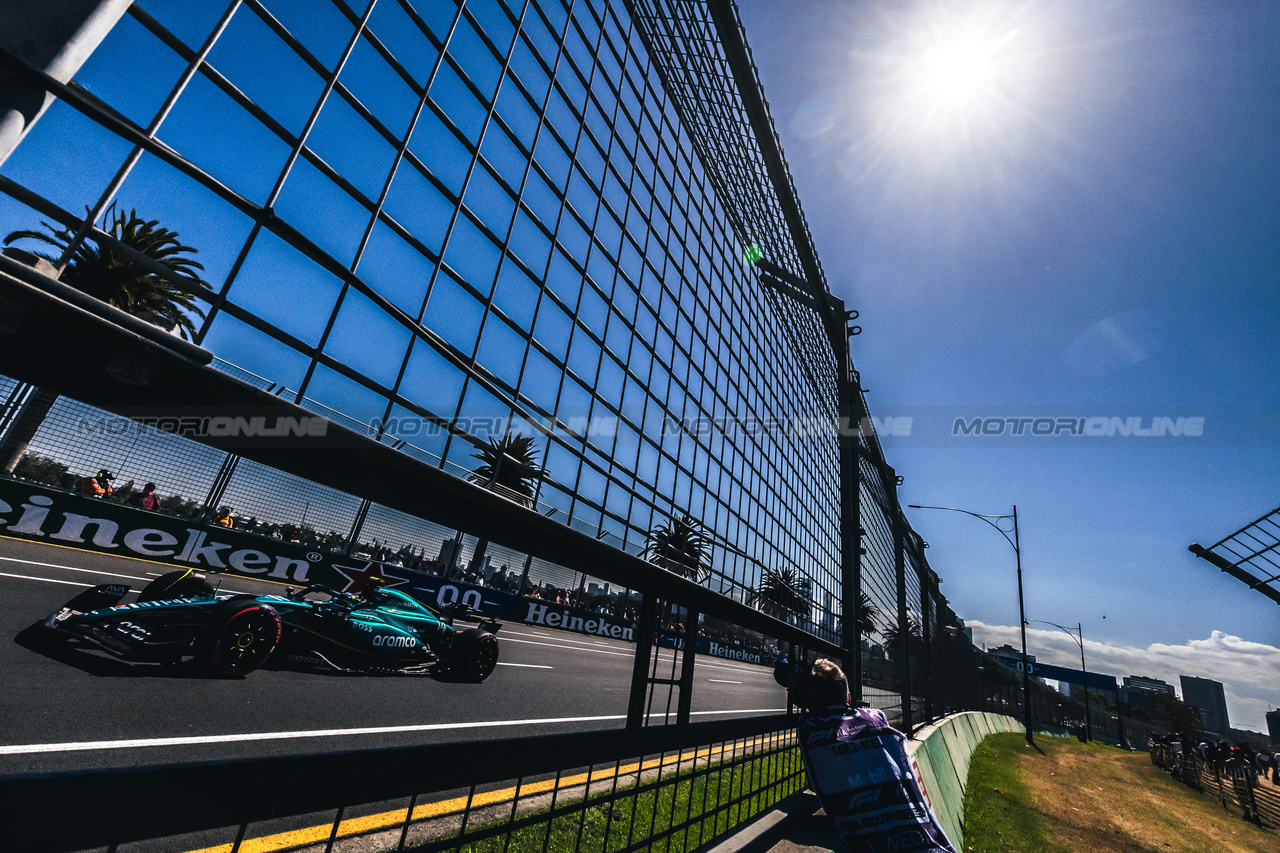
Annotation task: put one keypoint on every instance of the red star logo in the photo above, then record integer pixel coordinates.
(371, 573)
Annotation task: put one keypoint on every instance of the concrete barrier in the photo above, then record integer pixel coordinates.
(941, 754)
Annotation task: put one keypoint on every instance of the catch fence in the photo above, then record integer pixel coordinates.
(670, 788)
(915, 663)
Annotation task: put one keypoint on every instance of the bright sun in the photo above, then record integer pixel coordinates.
(957, 73)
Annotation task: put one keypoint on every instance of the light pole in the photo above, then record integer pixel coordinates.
(1022, 616)
(1079, 641)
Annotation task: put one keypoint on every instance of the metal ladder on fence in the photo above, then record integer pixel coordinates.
(649, 675)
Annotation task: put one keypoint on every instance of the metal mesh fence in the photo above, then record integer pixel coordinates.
(295, 508)
(929, 671)
(76, 441)
(677, 791)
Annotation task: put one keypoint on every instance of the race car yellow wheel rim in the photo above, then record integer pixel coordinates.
(247, 639)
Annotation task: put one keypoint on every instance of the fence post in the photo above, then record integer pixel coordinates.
(687, 656)
(356, 525)
(900, 573)
(851, 530)
(220, 483)
(927, 611)
(640, 667)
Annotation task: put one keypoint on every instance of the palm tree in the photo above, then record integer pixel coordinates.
(681, 546)
(780, 594)
(893, 638)
(866, 616)
(510, 468)
(108, 274)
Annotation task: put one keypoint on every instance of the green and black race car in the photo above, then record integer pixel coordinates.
(178, 616)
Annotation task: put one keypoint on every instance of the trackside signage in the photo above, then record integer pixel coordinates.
(47, 515)
(595, 624)
(722, 651)
(703, 646)
(444, 594)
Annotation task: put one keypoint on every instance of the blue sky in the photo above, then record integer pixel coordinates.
(1093, 231)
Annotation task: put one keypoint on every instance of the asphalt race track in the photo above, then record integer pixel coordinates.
(87, 709)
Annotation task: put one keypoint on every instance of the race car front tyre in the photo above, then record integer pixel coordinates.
(180, 584)
(240, 636)
(474, 655)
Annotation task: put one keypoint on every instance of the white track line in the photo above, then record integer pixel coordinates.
(91, 571)
(44, 580)
(721, 681)
(71, 569)
(526, 665)
(508, 639)
(30, 748)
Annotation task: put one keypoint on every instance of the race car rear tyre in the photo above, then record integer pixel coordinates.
(474, 655)
(179, 584)
(240, 636)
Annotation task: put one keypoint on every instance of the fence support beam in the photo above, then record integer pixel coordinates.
(640, 668)
(220, 483)
(357, 524)
(903, 651)
(687, 657)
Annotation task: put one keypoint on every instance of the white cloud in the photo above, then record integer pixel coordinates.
(1249, 671)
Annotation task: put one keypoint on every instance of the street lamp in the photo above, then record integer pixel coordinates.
(1079, 641)
(1022, 617)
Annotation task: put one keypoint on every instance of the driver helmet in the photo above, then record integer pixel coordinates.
(372, 588)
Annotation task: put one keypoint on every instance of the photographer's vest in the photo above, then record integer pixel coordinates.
(858, 766)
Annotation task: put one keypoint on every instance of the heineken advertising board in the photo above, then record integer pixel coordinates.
(705, 646)
(42, 514)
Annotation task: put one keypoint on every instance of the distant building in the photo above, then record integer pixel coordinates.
(1207, 697)
(964, 629)
(449, 549)
(1141, 682)
(1010, 656)
(1142, 692)
(1273, 725)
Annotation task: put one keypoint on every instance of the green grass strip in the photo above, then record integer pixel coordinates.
(678, 812)
(996, 816)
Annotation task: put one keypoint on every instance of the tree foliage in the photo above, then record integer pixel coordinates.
(780, 594)
(867, 617)
(681, 546)
(893, 637)
(1177, 715)
(108, 274)
(42, 469)
(511, 464)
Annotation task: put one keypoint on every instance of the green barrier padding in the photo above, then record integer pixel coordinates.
(943, 755)
(945, 787)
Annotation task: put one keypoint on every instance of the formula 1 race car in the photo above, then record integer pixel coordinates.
(380, 631)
